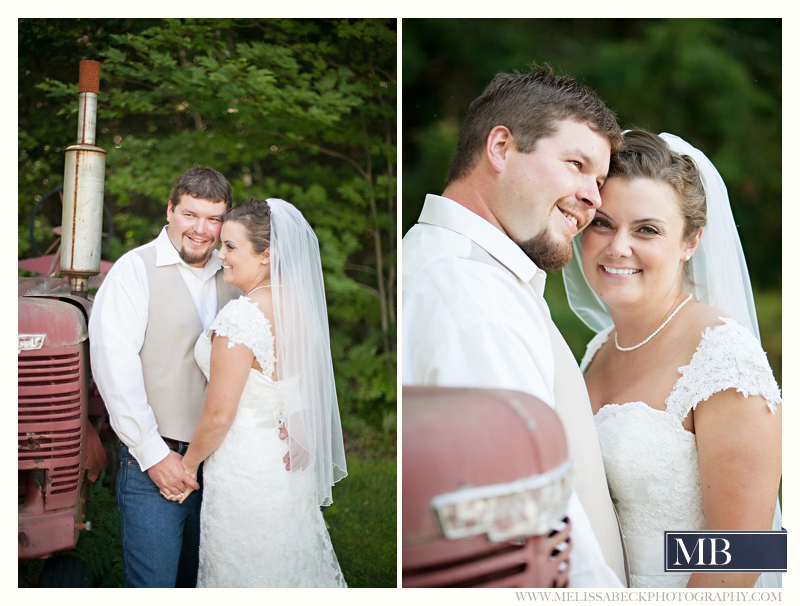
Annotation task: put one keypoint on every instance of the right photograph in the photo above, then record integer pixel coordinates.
(591, 303)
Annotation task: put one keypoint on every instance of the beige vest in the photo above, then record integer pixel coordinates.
(573, 406)
(175, 385)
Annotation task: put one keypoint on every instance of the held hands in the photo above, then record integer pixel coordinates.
(173, 481)
(193, 475)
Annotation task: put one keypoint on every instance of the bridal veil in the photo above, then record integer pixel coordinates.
(302, 344)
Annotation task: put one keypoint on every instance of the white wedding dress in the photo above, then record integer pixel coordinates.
(651, 460)
(261, 525)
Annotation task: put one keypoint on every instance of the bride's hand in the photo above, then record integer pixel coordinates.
(189, 490)
(186, 495)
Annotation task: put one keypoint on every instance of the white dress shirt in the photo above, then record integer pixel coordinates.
(474, 316)
(119, 317)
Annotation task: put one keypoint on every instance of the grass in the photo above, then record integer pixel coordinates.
(362, 523)
(364, 527)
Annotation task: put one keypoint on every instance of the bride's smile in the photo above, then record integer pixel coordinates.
(620, 271)
(632, 252)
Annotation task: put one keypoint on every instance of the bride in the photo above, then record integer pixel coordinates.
(685, 403)
(268, 362)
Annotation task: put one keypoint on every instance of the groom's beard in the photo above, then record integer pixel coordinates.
(546, 252)
(192, 259)
(201, 256)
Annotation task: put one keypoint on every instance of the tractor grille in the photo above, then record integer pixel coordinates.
(49, 415)
(500, 566)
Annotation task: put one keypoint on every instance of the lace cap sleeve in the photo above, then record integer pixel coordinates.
(728, 357)
(594, 346)
(242, 323)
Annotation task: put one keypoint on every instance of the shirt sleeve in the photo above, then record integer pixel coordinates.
(459, 332)
(494, 355)
(116, 334)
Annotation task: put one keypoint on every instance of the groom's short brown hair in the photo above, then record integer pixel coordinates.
(529, 105)
(202, 182)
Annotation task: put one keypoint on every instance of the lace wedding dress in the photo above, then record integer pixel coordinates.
(260, 524)
(651, 460)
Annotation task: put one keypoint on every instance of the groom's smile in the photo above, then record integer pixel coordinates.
(194, 228)
(576, 217)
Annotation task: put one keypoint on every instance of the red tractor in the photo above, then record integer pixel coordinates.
(60, 453)
(486, 480)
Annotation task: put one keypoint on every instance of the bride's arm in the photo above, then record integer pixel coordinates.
(230, 367)
(739, 449)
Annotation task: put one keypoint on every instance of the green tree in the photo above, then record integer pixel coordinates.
(303, 110)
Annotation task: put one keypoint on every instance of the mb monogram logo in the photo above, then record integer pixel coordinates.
(725, 551)
(689, 559)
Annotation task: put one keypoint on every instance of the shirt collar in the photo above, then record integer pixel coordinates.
(167, 254)
(444, 212)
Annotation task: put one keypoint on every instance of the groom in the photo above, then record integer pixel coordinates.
(146, 318)
(532, 155)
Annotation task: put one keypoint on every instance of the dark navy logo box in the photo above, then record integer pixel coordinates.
(725, 551)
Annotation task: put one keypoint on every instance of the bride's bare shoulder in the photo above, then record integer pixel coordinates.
(704, 316)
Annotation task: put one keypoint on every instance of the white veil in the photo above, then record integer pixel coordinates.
(303, 351)
(717, 270)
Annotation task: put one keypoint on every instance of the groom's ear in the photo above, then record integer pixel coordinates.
(498, 144)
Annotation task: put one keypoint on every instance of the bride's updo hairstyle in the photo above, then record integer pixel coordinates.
(644, 155)
(254, 216)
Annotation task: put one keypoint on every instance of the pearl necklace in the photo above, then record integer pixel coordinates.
(256, 288)
(658, 330)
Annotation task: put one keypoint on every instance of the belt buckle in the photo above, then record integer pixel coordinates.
(174, 445)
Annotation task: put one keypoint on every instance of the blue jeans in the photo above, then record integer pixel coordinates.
(160, 538)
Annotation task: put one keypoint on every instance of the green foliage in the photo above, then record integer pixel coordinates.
(303, 110)
(770, 322)
(101, 547)
(364, 528)
(575, 332)
(363, 440)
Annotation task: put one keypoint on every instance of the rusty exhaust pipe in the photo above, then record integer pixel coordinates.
(84, 185)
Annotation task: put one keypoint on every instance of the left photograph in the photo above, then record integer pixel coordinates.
(207, 271)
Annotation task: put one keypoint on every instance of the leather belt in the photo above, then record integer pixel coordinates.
(174, 444)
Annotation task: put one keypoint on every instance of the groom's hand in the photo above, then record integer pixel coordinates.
(299, 454)
(170, 476)
(283, 434)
